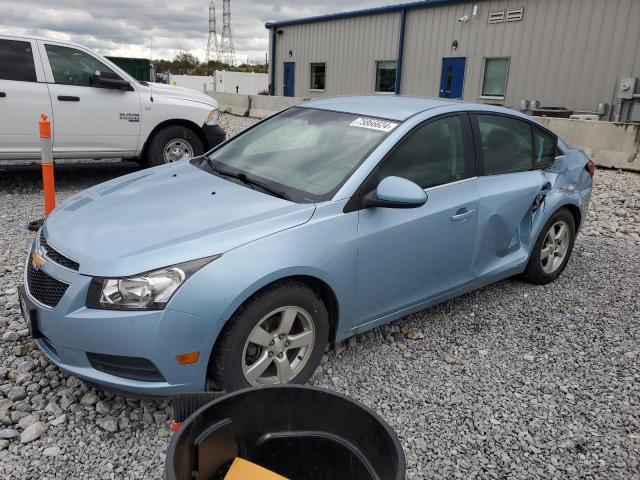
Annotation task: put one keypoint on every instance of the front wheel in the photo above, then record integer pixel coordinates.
(552, 249)
(276, 337)
(172, 143)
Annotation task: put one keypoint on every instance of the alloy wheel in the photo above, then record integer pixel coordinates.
(176, 149)
(278, 347)
(555, 246)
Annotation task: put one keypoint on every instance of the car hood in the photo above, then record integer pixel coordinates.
(163, 216)
(180, 93)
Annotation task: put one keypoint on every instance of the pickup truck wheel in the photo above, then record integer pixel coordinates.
(171, 143)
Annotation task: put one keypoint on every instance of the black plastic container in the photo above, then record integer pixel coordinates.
(299, 432)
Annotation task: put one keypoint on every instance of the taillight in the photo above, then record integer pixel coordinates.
(591, 168)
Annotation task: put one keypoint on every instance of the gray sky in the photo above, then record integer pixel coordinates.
(127, 27)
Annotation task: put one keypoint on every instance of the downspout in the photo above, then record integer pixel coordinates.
(403, 21)
(272, 86)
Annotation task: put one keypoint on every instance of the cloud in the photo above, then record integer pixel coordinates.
(131, 27)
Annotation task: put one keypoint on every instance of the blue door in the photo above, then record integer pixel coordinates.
(452, 78)
(289, 79)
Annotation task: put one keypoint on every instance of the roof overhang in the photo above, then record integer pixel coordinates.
(364, 12)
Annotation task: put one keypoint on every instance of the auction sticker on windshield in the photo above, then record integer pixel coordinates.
(374, 124)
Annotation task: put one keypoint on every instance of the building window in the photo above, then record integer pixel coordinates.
(494, 82)
(386, 76)
(317, 76)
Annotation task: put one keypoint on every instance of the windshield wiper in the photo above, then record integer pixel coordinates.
(246, 180)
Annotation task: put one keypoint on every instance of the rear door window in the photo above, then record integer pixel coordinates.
(506, 144)
(16, 61)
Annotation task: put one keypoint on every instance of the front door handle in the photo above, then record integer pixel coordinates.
(3, 94)
(68, 98)
(462, 214)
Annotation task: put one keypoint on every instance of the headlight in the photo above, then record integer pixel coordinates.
(147, 291)
(213, 117)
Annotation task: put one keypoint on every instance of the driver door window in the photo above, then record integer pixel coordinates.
(89, 120)
(74, 67)
(431, 155)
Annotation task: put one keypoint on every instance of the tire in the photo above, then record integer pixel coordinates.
(539, 271)
(235, 354)
(177, 135)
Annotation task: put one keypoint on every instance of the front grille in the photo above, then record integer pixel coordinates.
(44, 288)
(134, 368)
(56, 256)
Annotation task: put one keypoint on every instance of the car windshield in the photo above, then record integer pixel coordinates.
(303, 153)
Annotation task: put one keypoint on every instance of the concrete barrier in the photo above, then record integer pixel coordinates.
(615, 145)
(264, 105)
(232, 103)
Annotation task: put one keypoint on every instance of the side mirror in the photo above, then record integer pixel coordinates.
(396, 192)
(109, 80)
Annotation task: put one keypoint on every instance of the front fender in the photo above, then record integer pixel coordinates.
(323, 248)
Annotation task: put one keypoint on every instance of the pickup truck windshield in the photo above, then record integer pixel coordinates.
(305, 153)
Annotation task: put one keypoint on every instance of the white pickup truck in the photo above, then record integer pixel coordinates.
(97, 109)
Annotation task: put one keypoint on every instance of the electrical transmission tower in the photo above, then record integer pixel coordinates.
(213, 49)
(227, 52)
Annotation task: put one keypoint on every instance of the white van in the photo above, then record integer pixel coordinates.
(97, 109)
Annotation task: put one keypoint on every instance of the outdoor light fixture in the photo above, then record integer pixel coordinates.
(454, 45)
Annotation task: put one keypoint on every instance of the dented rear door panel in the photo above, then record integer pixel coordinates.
(506, 218)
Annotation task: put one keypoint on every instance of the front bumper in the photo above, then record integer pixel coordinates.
(215, 135)
(69, 333)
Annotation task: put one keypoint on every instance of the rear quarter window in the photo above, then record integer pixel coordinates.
(545, 148)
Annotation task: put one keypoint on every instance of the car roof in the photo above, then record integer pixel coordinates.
(392, 107)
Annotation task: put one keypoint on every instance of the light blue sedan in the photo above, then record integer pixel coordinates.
(331, 218)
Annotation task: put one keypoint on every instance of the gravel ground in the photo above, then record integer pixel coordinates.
(512, 381)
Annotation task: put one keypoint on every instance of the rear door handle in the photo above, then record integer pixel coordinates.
(546, 188)
(462, 214)
(2, 94)
(68, 98)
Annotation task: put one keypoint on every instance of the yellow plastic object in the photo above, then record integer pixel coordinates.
(244, 470)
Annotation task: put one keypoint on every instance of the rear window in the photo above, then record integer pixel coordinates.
(16, 61)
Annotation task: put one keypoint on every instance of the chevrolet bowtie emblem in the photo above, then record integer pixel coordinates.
(37, 260)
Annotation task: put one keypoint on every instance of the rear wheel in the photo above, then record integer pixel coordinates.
(172, 143)
(276, 337)
(552, 249)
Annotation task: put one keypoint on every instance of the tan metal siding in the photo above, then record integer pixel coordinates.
(349, 47)
(564, 53)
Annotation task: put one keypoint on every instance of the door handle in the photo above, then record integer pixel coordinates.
(3, 94)
(68, 98)
(546, 188)
(462, 215)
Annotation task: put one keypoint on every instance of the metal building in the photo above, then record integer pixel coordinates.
(580, 54)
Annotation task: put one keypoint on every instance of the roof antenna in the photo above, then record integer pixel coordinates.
(152, 70)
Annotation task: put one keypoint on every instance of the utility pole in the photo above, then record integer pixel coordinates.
(213, 49)
(227, 51)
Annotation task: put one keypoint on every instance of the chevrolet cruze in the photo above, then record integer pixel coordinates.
(236, 268)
